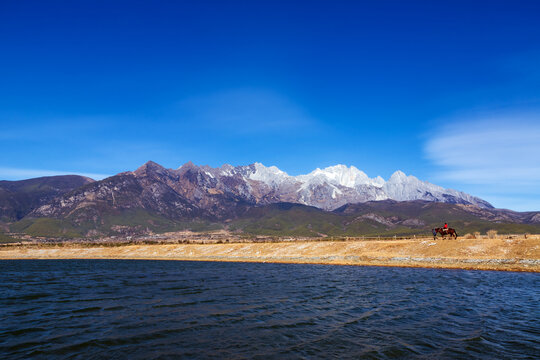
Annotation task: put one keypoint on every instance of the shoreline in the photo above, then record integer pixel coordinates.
(519, 254)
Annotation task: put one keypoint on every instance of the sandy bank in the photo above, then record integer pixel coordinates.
(518, 254)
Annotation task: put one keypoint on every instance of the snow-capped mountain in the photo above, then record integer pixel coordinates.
(327, 188)
(334, 186)
(254, 199)
(202, 191)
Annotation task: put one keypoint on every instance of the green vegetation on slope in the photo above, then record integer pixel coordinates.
(5, 239)
(46, 227)
(127, 222)
(371, 219)
(361, 220)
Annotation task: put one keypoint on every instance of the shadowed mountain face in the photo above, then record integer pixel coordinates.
(434, 212)
(252, 199)
(19, 198)
(386, 217)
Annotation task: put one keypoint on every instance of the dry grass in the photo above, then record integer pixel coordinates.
(511, 253)
(492, 234)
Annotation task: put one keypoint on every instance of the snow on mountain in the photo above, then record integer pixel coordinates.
(401, 187)
(269, 175)
(334, 186)
(337, 175)
(327, 188)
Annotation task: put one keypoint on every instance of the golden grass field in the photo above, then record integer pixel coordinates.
(517, 253)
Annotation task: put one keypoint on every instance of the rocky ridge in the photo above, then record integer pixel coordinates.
(225, 191)
(252, 199)
(18, 198)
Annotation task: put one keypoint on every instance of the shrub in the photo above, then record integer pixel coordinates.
(468, 236)
(492, 234)
(477, 234)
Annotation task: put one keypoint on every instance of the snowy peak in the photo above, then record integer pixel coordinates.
(398, 177)
(338, 175)
(378, 181)
(327, 188)
(268, 175)
(339, 184)
(227, 170)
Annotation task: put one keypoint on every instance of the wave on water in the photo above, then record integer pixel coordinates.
(168, 309)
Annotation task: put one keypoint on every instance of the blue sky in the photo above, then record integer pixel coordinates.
(446, 91)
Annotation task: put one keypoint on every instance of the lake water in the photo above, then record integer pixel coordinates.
(86, 309)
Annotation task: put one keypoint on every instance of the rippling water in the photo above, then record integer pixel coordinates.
(168, 309)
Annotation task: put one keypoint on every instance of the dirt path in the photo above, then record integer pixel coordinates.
(518, 254)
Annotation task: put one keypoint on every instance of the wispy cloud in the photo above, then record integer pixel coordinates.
(499, 151)
(46, 128)
(245, 111)
(19, 174)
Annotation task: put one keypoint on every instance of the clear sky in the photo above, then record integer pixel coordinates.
(446, 91)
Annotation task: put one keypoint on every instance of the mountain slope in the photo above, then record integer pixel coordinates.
(19, 198)
(387, 217)
(222, 188)
(327, 188)
(255, 199)
(150, 198)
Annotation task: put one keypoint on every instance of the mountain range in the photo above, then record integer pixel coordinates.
(241, 198)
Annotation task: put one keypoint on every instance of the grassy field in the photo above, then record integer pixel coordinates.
(7, 239)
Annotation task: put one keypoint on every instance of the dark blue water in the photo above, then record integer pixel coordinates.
(85, 309)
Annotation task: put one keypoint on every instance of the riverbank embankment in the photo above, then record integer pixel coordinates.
(515, 254)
